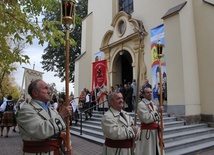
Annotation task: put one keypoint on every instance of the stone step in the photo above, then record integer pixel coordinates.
(194, 150)
(178, 129)
(186, 134)
(85, 131)
(100, 114)
(191, 146)
(93, 139)
(176, 147)
(96, 125)
(178, 138)
(172, 136)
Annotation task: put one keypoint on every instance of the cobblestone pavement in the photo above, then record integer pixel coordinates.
(12, 145)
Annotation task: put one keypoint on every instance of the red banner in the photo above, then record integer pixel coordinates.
(99, 74)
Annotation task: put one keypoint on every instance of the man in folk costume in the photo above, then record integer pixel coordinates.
(40, 125)
(118, 128)
(149, 140)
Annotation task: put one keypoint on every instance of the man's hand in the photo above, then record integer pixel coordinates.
(66, 112)
(69, 152)
(160, 109)
(135, 128)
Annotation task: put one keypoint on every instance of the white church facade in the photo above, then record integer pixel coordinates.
(120, 31)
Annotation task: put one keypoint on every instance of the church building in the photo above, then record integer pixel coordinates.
(122, 36)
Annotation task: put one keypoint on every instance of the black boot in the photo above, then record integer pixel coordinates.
(90, 114)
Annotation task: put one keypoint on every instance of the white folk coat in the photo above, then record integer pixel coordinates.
(148, 142)
(117, 128)
(35, 124)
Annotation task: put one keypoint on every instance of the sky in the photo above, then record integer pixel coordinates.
(35, 52)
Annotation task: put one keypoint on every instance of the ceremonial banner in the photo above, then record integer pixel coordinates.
(157, 33)
(29, 76)
(99, 82)
(99, 74)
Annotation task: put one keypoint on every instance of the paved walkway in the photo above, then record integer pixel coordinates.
(12, 145)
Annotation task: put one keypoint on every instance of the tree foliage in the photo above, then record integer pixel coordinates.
(9, 87)
(19, 25)
(19, 22)
(54, 56)
(52, 88)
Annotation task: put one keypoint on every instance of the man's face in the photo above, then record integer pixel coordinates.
(117, 102)
(42, 93)
(148, 94)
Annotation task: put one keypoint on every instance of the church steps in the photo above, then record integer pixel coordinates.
(189, 142)
(186, 134)
(178, 138)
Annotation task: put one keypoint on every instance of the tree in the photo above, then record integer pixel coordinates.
(7, 66)
(19, 23)
(9, 87)
(52, 87)
(54, 56)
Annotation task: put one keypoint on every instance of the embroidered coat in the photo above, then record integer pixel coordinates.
(148, 141)
(115, 127)
(35, 124)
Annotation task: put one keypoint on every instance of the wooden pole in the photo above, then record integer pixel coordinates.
(67, 87)
(161, 104)
(138, 85)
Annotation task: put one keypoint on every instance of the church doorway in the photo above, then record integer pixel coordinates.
(126, 68)
(123, 68)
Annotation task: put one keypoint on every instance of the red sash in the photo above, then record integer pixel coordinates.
(44, 146)
(151, 126)
(128, 143)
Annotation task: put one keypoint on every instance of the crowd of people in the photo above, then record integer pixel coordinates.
(99, 97)
(42, 124)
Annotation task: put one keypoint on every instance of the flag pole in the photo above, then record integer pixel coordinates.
(141, 32)
(159, 47)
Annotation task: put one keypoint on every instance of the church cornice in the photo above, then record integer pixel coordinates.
(128, 38)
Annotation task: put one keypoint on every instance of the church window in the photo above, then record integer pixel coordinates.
(126, 5)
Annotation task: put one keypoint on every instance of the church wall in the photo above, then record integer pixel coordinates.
(189, 54)
(175, 80)
(190, 63)
(83, 65)
(203, 24)
(151, 12)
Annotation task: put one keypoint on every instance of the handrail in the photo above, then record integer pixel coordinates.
(88, 110)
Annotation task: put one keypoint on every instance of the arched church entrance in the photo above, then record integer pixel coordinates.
(123, 70)
(123, 50)
(126, 70)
